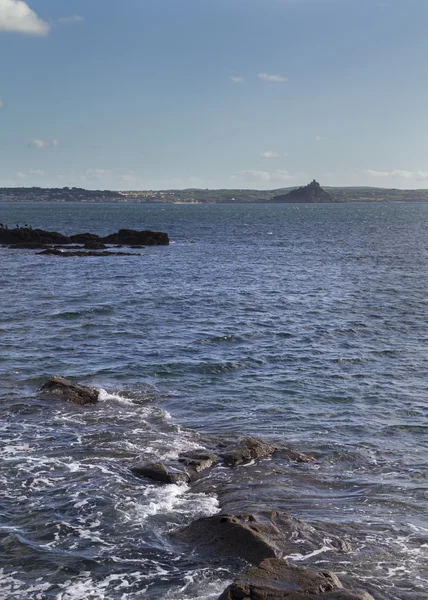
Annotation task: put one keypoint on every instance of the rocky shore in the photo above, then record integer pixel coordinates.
(263, 539)
(80, 244)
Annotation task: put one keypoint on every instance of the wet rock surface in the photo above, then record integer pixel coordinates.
(160, 472)
(247, 450)
(198, 461)
(72, 392)
(258, 536)
(276, 579)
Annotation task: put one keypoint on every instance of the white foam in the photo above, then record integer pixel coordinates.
(105, 396)
(327, 547)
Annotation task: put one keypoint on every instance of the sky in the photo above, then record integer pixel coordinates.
(262, 94)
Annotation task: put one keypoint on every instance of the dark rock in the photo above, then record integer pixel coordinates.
(94, 245)
(159, 472)
(24, 235)
(247, 450)
(255, 537)
(57, 252)
(228, 535)
(29, 246)
(129, 237)
(276, 579)
(72, 392)
(308, 194)
(84, 238)
(295, 456)
(198, 460)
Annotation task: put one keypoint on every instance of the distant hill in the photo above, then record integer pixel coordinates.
(310, 193)
(206, 196)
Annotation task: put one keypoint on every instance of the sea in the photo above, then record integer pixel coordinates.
(304, 325)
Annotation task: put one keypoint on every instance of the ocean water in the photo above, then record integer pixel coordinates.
(303, 324)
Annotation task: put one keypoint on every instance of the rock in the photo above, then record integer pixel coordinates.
(247, 450)
(29, 246)
(84, 238)
(308, 194)
(57, 252)
(159, 472)
(129, 237)
(198, 460)
(276, 579)
(24, 235)
(94, 245)
(295, 456)
(72, 392)
(229, 535)
(255, 537)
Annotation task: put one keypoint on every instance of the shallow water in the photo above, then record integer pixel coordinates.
(303, 324)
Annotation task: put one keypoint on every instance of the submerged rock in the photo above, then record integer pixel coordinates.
(247, 450)
(72, 392)
(276, 579)
(160, 472)
(95, 245)
(198, 460)
(66, 253)
(258, 536)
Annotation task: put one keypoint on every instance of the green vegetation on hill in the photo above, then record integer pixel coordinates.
(205, 196)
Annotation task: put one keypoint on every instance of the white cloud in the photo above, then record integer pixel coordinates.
(272, 78)
(269, 154)
(39, 144)
(401, 173)
(21, 175)
(319, 138)
(278, 176)
(72, 19)
(373, 173)
(237, 79)
(97, 173)
(17, 16)
(36, 172)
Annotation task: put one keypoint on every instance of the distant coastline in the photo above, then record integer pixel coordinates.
(202, 196)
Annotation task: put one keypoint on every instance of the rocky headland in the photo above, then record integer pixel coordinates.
(311, 193)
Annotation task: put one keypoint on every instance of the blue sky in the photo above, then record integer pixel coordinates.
(155, 94)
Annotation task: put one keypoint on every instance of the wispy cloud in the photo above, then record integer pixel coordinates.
(319, 138)
(237, 78)
(255, 176)
(269, 154)
(97, 173)
(272, 78)
(397, 173)
(71, 19)
(40, 144)
(16, 16)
